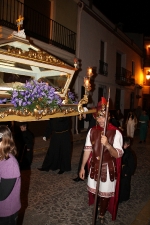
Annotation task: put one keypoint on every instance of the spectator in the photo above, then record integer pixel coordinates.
(113, 120)
(10, 180)
(144, 123)
(119, 117)
(138, 113)
(59, 152)
(128, 169)
(131, 123)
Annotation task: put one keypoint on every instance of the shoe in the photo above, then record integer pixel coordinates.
(77, 179)
(102, 220)
(43, 169)
(61, 172)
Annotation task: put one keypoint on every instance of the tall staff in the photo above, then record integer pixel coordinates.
(100, 164)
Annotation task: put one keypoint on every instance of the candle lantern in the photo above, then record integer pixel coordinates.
(87, 86)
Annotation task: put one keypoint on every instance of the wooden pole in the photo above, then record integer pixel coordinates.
(100, 164)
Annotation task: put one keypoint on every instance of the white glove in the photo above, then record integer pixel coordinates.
(85, 109)
(44, 138)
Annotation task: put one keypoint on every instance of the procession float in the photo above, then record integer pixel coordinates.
(34, 84)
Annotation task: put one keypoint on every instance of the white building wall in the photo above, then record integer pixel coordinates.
(91, 34)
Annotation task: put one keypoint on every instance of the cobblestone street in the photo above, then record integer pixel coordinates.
(52, 199)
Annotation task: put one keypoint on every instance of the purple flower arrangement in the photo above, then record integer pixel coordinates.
(72, 98)
(3, 101)
(35, 95)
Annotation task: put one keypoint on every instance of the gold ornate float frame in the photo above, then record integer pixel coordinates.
(16, 50)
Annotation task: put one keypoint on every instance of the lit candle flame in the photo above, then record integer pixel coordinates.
(90, 71)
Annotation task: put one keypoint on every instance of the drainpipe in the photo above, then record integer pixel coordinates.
(80, 8)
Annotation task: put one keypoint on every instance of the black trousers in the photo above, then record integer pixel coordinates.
(9, 220)
(26, 159)
(125, 187)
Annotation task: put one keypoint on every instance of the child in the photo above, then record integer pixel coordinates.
(10, 180)
(26, 147)
(128, 167)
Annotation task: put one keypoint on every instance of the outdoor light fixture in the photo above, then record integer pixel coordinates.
(147, 77)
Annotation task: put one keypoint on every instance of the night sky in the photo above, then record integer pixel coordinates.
(133, 14)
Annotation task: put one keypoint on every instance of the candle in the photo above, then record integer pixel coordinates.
(86, 82)
(89, 71)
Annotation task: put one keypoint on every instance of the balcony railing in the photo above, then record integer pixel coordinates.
(124, 77)
(103, 68)
(37, 25)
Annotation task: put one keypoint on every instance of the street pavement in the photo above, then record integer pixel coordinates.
(52, 199)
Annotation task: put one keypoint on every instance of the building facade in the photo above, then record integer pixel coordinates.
(74, 28)
(116, 60)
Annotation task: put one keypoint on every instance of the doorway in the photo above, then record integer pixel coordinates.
(100, 93)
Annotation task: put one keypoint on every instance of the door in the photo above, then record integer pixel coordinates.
(100, 93)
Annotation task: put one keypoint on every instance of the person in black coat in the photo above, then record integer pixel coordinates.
(59, 152)
(26, 140)
(128, 168)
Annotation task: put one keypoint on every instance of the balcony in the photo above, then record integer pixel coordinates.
(124, 77)
(37, 25)
(103, 68)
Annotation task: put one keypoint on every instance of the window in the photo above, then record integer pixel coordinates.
(103, 66)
